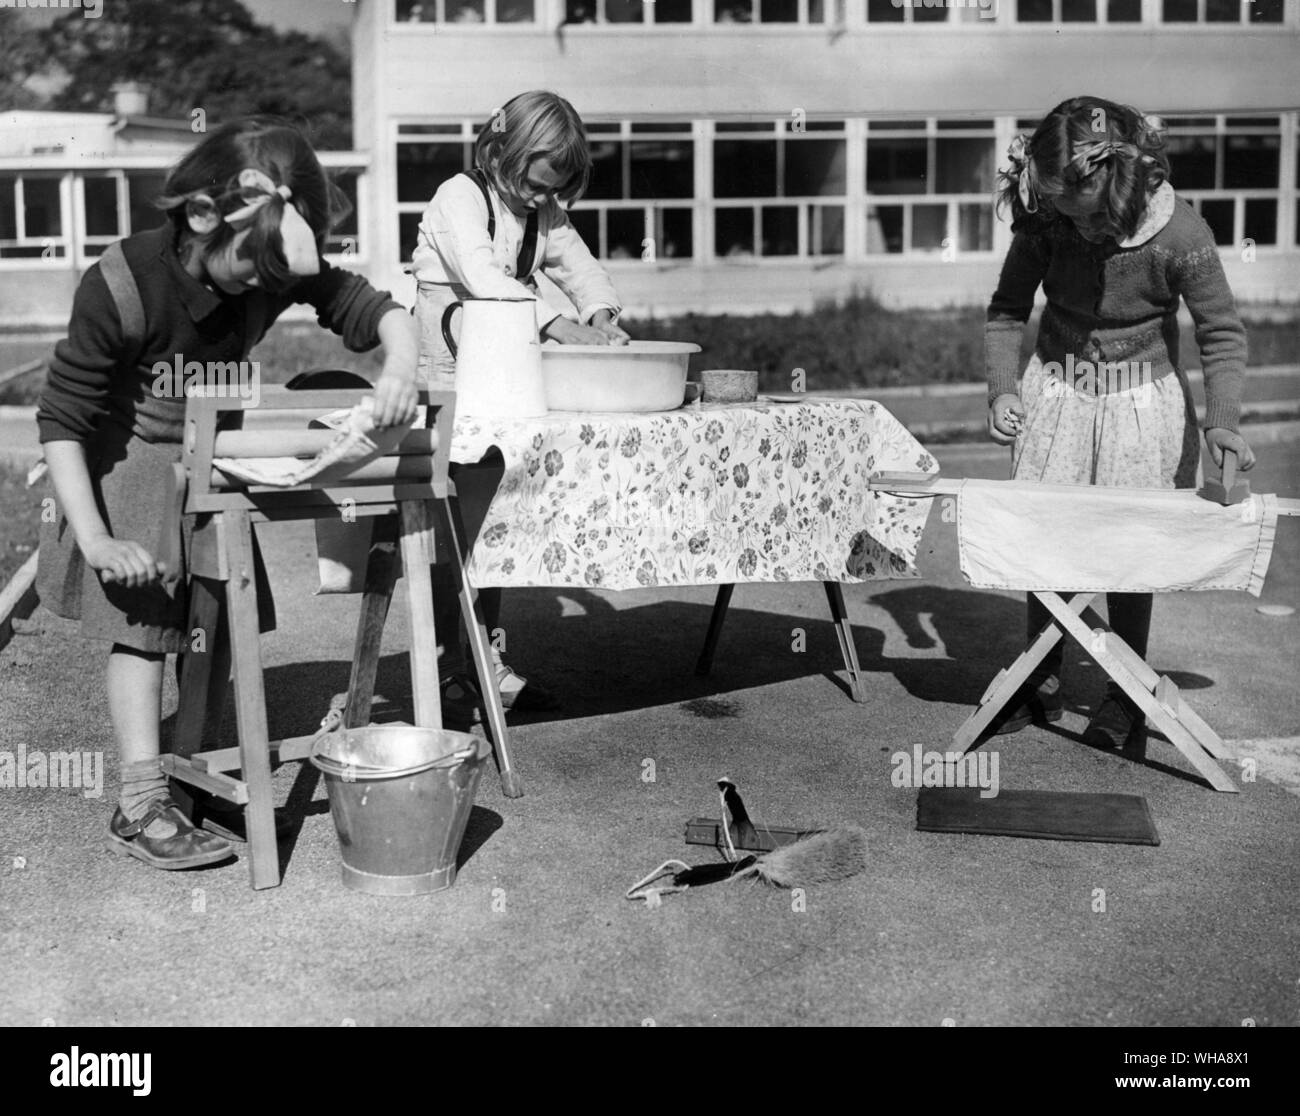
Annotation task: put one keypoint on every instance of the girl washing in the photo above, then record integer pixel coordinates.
(1098, 225)
(248, 212)
(486, 234)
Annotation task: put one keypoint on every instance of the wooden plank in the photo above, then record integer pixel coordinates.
(223, 786)
(250, 703)
(417, 555)
(381, 576)
(307, 443)
(18, 598)
(204, 677)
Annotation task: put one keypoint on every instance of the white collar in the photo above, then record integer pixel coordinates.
(1160, 208)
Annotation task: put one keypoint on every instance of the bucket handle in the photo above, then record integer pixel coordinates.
(446, 328)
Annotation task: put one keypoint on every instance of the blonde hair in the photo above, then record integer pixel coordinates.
(531, 126)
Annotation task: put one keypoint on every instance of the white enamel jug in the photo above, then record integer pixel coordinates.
(498, 359)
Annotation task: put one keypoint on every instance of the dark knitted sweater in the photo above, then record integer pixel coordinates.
(95, 376)
(1106, 303)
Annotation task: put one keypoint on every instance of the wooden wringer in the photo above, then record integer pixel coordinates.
(406, 492)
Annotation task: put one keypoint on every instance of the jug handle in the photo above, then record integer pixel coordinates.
(446, 328)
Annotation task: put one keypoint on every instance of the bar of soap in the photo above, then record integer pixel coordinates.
(729, 385)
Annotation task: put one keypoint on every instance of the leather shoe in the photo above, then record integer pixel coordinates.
(187, 847)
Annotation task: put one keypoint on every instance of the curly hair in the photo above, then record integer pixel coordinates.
(1085, 146)
(528, 127)
(209, 174)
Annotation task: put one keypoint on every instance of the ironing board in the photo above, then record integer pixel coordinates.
(408, 489)
(1158, 697)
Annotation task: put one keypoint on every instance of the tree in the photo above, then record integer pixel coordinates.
(208, 54)
(21, 58)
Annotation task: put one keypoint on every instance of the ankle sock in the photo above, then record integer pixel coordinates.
(142, 783)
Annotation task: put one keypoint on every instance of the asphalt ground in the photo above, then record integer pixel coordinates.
(1203, 930)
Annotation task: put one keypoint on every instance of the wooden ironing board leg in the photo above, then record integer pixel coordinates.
(480, 649)
(704, 664)
(844, 633)
(250, 701)
(381, 577)
(1104, 646)
(1009, 680)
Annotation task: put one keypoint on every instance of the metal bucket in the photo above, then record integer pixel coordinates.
(401, 798)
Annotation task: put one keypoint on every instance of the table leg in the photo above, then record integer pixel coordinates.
(480, 649)
(1009, 680)
(1102, 644)
(844, 633)
(704, 664)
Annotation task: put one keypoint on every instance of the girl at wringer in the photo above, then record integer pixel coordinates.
(247, 210)
(1097, 224)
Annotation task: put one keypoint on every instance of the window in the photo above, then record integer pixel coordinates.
(1230, 169)
(344, 239)
(638, 170)
(771, 11)
(938, 178)
(427, 155)
(801, 163)
(1221, 11)
(31, 217)
(627, 11)
(465, 11)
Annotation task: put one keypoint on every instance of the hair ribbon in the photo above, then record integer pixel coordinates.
(1022, 170)
(299, 241)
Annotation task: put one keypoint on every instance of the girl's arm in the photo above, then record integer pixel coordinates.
(395, 394)
(1221, 339)
(455, 225)
(572, 267)
(1009, 310)
(117, 559)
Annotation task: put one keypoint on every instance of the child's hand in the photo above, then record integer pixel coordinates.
(1218, 439)
(570, 333)
(1006, 419)
(602, 320)
(125, 563)
(395, 398)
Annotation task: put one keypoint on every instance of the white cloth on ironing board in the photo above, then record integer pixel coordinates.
(356, 443)
(1029, 536)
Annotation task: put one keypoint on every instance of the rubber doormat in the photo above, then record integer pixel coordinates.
(1123, 819)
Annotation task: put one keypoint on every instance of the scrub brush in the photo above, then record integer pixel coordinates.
(823, 856)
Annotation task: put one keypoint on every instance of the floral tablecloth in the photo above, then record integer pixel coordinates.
(708, 494)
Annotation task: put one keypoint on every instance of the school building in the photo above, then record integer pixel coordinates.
(767, 154)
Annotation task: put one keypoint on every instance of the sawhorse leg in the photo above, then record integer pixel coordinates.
(250, 699)
(1116, 658)
(1008, 681)
(381, 578)
(480, 648)
(205, 677)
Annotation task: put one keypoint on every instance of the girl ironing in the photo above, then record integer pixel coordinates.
(1098, 225)
(248, 211)
(487, 234)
